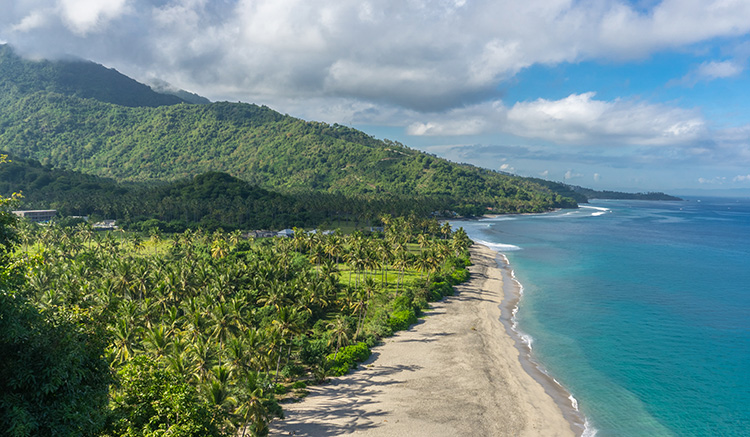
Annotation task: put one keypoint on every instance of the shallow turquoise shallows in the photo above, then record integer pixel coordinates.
(641, 310)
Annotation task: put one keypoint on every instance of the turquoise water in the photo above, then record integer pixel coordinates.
(641, 310)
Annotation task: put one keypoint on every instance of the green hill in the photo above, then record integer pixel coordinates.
(209, 201)
(75, 78)
(80, 129)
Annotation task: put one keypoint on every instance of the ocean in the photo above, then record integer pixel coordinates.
(639, 309)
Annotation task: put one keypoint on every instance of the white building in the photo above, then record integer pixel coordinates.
(37, 215)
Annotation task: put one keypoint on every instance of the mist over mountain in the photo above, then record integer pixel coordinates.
(76, 78)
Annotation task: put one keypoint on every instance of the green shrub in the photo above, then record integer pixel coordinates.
(340, 364)
(402, 319)
(459, 276)
(420, 304)
(405, 301)
(153, 401)
(292, 370)
(313, 351)
(340, 369)
(280, 389)
(438, 290)
(357, 352)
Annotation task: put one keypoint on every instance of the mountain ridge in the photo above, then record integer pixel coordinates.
(74, 77)
(68, 126)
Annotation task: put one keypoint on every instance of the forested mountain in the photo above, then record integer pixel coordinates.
(68, 127)
(75, 77)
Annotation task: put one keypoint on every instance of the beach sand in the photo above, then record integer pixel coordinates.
(456, 373)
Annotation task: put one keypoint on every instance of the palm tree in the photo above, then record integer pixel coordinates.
(124, 337)
(423, 240)
(339, 333)
(358, 304)
(252, 408)
(401, 263)
(333, 247)
(203, 356)
(255, 342)
(276, 295)
(155, 238)
(317, 254)
(157, 341)
(25, 233)
(385, 253)
(235, 237)
(287, 323)
(239, 355)
(223, 322)
(219, 249)
(460, 241)
(445, 230)
(218, 390)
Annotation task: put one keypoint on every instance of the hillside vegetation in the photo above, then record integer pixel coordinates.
(68, 127)
(75, 78)
(207, 201)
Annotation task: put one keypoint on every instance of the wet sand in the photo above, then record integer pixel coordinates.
(456, 373)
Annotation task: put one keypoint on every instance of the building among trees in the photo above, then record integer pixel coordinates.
(37, 215)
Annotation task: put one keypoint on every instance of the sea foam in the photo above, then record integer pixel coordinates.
(498, 247)
(598, 210)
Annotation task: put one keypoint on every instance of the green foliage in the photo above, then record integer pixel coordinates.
(313, 351)
(402, 319)
(439, 290)
(340, 363)
(209, 201)
(8, 220)
(205, 327)
(152, 401)
(55, 381)
(459, 276)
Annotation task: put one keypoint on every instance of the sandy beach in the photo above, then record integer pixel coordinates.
(456, 373)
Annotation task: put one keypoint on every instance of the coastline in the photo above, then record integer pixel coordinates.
(459, 373)
(513, 291)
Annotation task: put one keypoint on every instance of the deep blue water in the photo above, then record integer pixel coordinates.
(640, 309)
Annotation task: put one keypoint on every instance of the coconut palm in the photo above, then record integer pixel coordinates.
(157, 340)
(339, 333)
(287, 322)
(252, 408)
(124, 337)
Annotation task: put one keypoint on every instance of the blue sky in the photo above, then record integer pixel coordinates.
(611, 94)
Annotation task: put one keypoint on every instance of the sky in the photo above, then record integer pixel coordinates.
(639, 95)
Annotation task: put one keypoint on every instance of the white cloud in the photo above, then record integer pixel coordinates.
(83, 16)
(428, 56)
(717, 180)
(719, 70)
(572, 175)
(597, 177)
(711, 70)
(30, 22)
(577, 119)
(741, 178)
(433, 67)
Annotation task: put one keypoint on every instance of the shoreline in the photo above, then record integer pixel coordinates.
(513, 290)
(458, 371)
